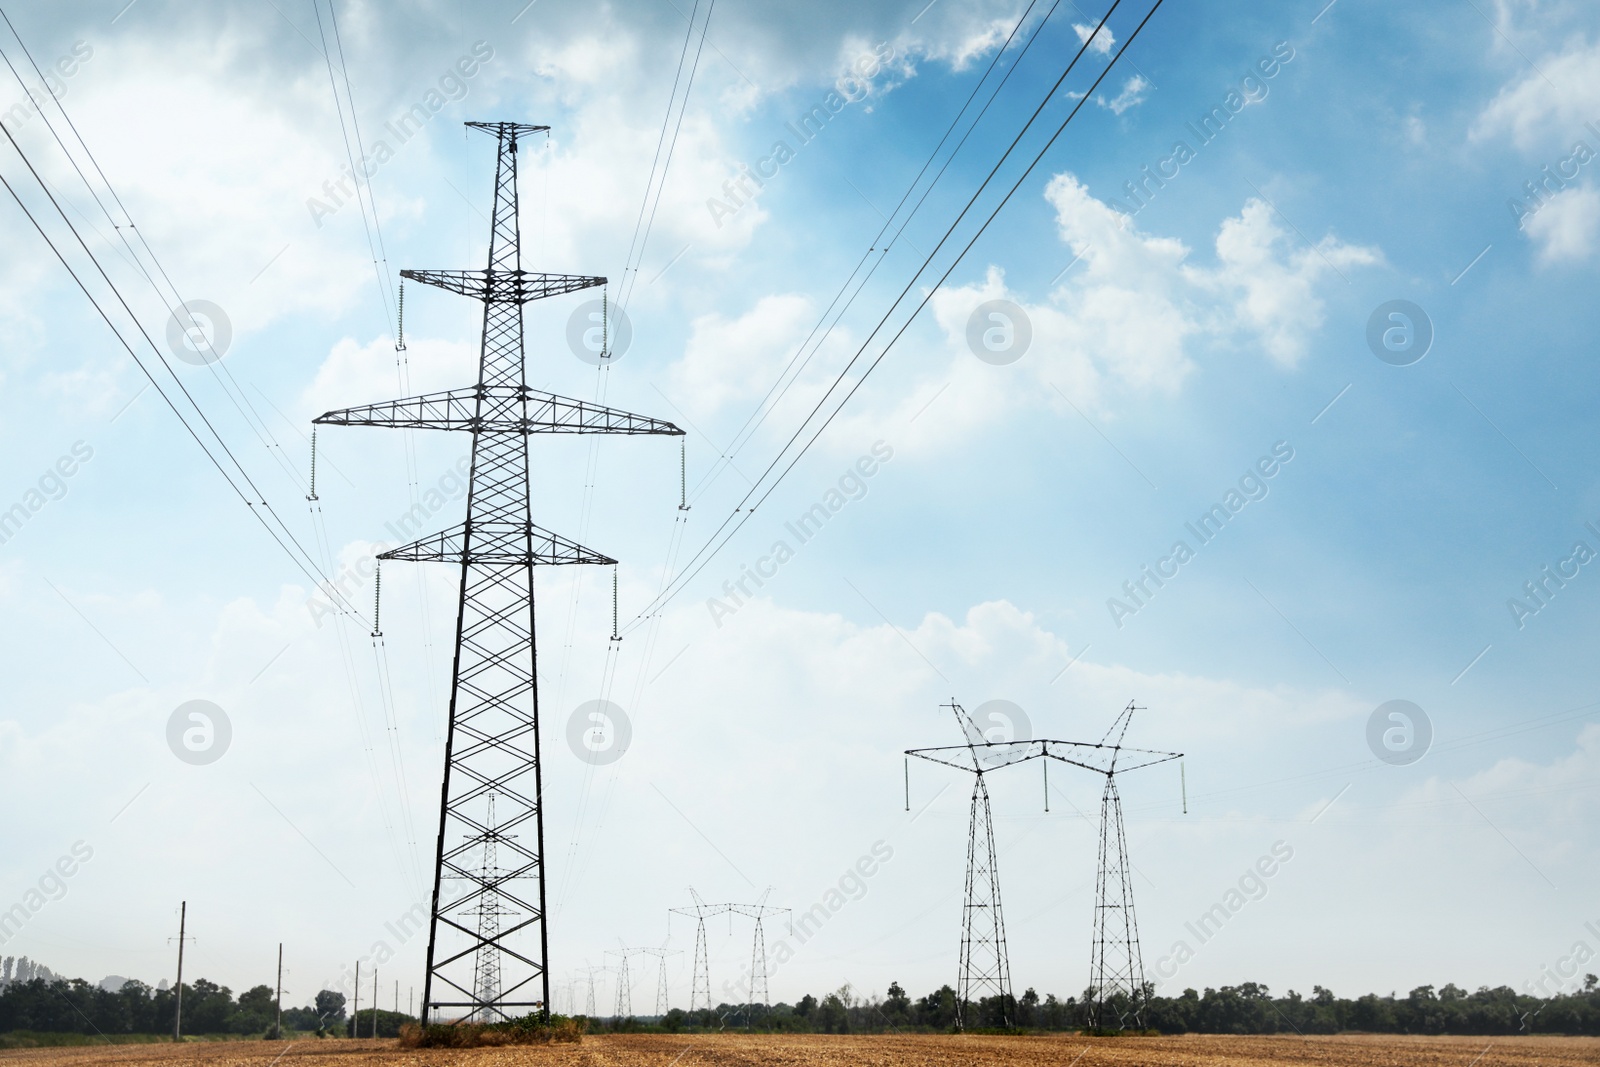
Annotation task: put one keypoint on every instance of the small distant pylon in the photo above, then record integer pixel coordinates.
(661, 954)
(489, 911)
(757, 996)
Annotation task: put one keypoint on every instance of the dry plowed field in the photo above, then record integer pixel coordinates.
(818, 1050)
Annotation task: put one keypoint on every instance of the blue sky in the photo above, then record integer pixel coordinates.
(1171, 351)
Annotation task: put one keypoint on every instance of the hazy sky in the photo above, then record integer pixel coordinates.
(1388, 487)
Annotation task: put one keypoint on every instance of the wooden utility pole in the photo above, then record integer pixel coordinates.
(277, 1027)
(183, 926)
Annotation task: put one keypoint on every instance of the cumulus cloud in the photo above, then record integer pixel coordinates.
(1534, 114)
(1565, 228)
(1132, 314)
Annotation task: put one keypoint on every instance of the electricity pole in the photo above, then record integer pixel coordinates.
(177, 1017)
(277, 1026)
(355, 1019)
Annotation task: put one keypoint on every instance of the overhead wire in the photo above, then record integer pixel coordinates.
(240, 401)
(224, 376)
(780, 386)
(357, 176)
(254, 499)
(636, 246)
(741, 514)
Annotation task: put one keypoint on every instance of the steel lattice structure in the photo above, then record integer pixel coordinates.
(1116, 968)
(700, 986)
(985, 967)
(661, 955)
(758, 993)
(492, 743)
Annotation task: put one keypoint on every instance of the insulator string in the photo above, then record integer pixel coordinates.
(683, 473)
(400, 321)
(377, 601)
(313, 494)
(615, 636)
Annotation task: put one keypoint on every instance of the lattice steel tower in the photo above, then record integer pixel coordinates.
(985, 967)
(492, 744)
(1116, 965)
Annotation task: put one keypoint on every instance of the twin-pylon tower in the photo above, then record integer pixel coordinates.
(490, 869)
(757, 994)
(1117, 987)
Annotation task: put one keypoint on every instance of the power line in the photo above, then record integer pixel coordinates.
(741, 513)
(764, 408)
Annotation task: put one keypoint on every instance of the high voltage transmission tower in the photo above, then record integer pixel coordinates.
(700, 986)
(1116, 967)
(700, 989)
(985, 968)
(624, 1004)
(492, 744)
(661, 955)
(757, 993)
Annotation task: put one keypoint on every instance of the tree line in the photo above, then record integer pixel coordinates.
(1248, 1008)
(56, 1005)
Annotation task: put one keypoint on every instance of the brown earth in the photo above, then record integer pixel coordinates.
(826, 1050)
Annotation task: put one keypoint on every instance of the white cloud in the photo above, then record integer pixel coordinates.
(356, 374)
(1269, 279)
(1538, 116)
(1102, 42)
(1565, 228)
(1132, 95)
(1124, 320)
(735, 360)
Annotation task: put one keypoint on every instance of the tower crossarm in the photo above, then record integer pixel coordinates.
(1106, 759)
(497, 409)
(504, 286)
(982, 757)
(497, 543)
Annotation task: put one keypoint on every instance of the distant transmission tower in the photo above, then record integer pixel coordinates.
(985, 968)
(624, 1005)
(1116, 969)
(700, 986)
(492, 745)
(489, 911)
(757, 994)
(661, 955)
(1116, 966)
